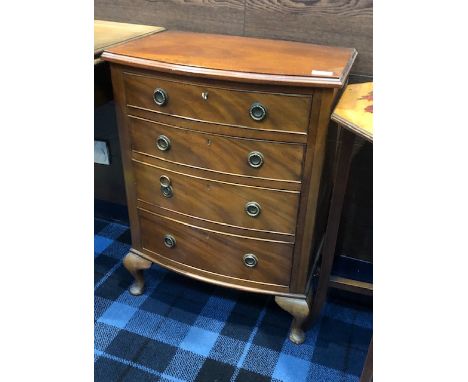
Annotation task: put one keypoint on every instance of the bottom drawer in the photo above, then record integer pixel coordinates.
(224, 254)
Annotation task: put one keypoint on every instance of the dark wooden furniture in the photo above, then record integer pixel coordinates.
(354, 116)
(223, 142)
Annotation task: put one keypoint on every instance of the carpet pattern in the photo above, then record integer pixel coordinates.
(182, 329)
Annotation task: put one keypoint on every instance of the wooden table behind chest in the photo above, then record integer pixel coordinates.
(223, 142)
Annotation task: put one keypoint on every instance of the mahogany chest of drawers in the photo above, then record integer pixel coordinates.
(223, 142)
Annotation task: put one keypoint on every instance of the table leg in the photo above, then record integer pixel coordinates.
(333, 224)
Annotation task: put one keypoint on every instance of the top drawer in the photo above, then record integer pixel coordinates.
(265, 111)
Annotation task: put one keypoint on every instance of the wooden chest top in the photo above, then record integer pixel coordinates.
(236, 58)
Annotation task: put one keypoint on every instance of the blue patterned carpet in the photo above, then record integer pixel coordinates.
(185, 330)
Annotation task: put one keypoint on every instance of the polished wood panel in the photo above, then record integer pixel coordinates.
(216, 252)
(218, 176)
(216, 128)
(206, 203)
(215, 226)
(227, 106)
(220, 153)
(218, 201)
(109, 33)
(355, 110)
(237, 58)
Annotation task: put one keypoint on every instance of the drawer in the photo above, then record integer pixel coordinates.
(240, 156)
(281, 112)
(218, 201)
(269, 262)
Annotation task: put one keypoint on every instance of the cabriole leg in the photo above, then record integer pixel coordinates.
(136, 265)
(299, 309)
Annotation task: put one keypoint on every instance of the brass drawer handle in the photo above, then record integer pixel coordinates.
(252, 209)
(169, 241)
(167, 191)
(163, 143)
(257, 111)
(160, 97)
(250, 260)
(255, 159)
(165, 181)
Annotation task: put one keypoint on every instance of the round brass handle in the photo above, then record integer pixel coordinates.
(160, 97)
(169, 241)
(250, 260)
(257, 111)
(255, 159)
(252, 209)
(165, 181)
(163, 143)
(167, 191)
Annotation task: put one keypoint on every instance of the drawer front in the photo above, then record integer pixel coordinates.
(216, 252)
(218, 201)
(282, 112)
(248, 157)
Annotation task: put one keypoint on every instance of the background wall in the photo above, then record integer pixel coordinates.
(345, 23)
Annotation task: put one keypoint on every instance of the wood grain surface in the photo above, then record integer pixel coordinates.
(346, 23)
(226, 106)
(216, 252)
(237, 58)
(282, 161)
(212, 16)
(218, 201)
(338, 23)
(108, 33)
(355, 110)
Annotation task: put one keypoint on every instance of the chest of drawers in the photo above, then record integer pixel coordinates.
(223, 142)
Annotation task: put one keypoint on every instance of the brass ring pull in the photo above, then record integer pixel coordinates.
(255, 159)
(163, 143)
(165, 181)
(160, 97)
(250, 260)
(257, 111)
(167, 191)
(252, 209)
(169, 241)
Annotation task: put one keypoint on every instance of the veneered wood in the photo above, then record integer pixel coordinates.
(227, 106)
(219, 176)
(282, 161)
(237, 58)
(355, 110)
(109, 33)
(216, 252)
(218, 201)
(207, 205)
(313, 164)
(216, 128)
(215, 226)
(126, 149)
